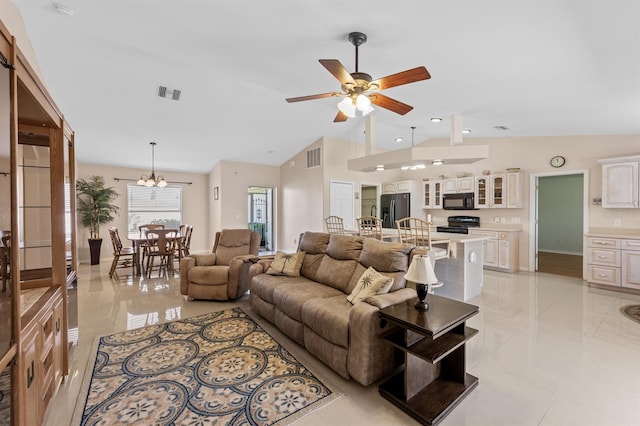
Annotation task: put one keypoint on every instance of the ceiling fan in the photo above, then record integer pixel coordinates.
(360, 90)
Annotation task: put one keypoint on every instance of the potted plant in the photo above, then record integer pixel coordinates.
(95, 208)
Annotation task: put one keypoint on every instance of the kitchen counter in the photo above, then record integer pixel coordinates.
(630, 233)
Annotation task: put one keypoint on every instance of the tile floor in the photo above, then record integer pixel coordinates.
(551, 351)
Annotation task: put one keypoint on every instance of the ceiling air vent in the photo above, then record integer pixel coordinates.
(165, 92)
(313, 158)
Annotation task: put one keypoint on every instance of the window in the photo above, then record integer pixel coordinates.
(153, 205)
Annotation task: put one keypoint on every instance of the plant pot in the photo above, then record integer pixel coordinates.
(94, 249)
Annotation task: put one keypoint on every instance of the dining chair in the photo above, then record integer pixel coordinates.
(370, 226)
(335, 224)
(416, 231)
(161, 245)
(123, 257)
(143, 229)
(5, 258)
(183, 243)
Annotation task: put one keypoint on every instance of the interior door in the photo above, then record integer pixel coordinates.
(341, 202)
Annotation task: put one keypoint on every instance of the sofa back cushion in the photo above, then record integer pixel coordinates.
(389, 258)
(314, 244)
(339, 261)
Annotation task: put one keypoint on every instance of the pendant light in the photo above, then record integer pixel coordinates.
(151, 180)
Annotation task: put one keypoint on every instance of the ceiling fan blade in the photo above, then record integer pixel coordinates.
(340, 116)
(390, 104)
(340, 72)
(404, 77)
(311, 97)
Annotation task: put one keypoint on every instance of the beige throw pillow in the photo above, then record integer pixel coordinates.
(288, 264)
(370, 283)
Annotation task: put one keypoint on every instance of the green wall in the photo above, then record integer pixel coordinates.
(560, 204)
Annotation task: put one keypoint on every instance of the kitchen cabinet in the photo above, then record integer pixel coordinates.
(613, 260)
(502, 190)
(465, 184)
(620, 184)
(432, 194)
(400, 186)
(630, 253)
(501, 249)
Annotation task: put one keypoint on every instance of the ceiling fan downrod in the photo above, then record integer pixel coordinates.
(357, 38)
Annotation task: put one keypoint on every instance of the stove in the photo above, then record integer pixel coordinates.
(459, 224)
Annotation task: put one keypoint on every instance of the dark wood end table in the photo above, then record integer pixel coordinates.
(433, 379)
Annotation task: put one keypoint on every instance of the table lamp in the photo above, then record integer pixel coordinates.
(421, 272)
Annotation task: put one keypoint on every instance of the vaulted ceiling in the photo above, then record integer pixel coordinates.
(537, 67)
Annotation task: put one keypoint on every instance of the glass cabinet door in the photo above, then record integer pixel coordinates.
(34, 207)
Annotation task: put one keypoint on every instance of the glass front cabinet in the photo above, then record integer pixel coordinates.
(37, 239)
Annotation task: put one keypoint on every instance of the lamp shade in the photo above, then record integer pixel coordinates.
(347, 107)
(421, 271)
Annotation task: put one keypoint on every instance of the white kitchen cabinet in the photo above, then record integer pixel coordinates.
(630, 252)
(620, 182)
(400, 186)
(502, 190)
(501, 249)
(515, 190)
(432, 194)
(465, 184)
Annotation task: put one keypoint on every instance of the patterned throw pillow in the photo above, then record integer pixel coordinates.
(370, 283)
(288, 264)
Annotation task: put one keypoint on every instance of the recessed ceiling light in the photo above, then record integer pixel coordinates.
(380, 167)
(398, 139)
(437, 162)
(466, 131)
(436, 119)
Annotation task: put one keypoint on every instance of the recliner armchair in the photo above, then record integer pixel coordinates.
(226, 272)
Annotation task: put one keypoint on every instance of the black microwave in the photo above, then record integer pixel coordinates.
(459, 201)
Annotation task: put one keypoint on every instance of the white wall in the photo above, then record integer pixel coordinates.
(195, 206)
(233, 180)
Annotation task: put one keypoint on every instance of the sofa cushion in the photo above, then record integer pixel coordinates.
(336, 273)
(370, 283)
(328, 318)
(289, 298)
(387, 257)
(314, 242)
(209, 275)
(263, 285)
(345, 247)
(286, 264)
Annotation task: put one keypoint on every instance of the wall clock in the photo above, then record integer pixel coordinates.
(557, 161)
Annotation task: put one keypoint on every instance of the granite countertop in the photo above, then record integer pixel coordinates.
(632, 233)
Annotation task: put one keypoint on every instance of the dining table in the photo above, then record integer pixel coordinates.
(137, 241)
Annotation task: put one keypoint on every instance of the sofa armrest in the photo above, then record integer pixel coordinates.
(399, 296)
(241, 270)
(186, 263)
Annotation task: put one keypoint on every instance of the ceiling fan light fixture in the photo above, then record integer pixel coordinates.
(437, 162)
(363, 103)
(347, 107)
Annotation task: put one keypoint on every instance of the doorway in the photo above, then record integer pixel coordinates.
(260, 204)
(560, 217)
(369, 200)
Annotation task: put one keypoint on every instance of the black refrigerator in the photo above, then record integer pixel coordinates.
(394, 207)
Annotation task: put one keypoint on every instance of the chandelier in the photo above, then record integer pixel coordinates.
(152, 180)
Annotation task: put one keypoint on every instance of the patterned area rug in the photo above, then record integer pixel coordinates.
(632, 311)
(218, 368)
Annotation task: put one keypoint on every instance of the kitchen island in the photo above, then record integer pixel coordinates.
(462, 273)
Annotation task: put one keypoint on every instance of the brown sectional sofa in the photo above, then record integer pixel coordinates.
(313, 309)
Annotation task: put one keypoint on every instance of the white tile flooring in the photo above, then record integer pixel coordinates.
(551, 351)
